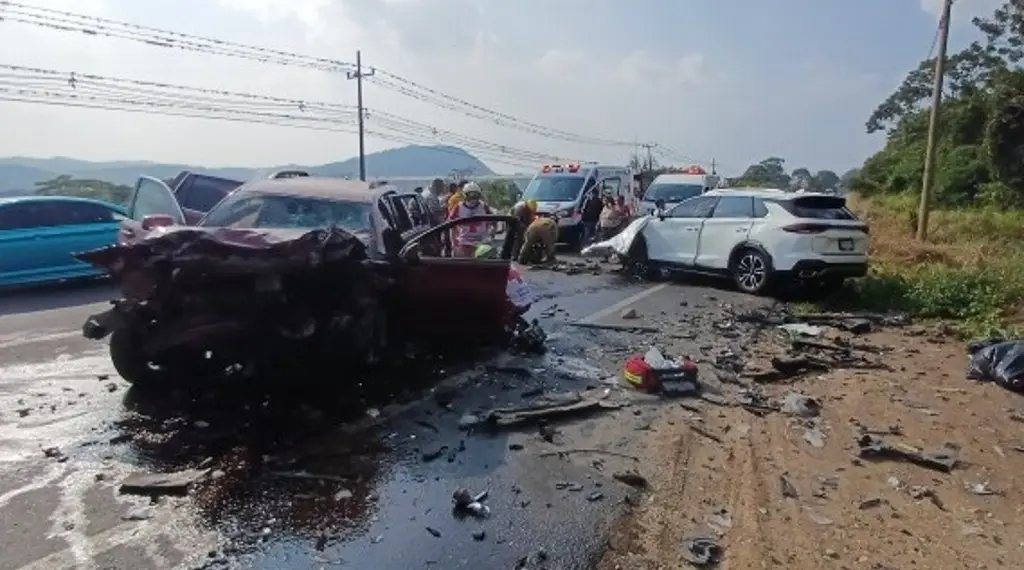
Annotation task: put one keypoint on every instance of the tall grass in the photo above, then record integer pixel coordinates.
(970, 271)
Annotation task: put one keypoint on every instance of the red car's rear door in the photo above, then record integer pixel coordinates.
(457, 299)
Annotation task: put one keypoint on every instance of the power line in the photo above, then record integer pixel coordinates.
(64, 100)
(171, 96)
(70, 22)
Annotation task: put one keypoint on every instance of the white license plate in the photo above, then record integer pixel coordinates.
(846, 245)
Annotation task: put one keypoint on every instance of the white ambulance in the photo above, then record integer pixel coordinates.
(559, 189)
(675, 187)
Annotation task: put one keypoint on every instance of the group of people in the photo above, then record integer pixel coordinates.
(537, 235)
(603, 216)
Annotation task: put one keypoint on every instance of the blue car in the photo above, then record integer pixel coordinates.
(40, 234)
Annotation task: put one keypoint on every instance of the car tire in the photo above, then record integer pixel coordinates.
(638, 265)
(751, 271)
(131, 362)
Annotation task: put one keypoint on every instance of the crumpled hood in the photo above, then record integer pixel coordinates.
(199, 251)
(620, 243)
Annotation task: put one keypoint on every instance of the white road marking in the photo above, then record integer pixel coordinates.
(13, 341)
(594, 317)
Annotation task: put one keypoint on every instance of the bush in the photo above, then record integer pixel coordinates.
(499, 194)
(971, 270)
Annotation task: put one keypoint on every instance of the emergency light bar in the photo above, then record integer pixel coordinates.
(695, 170)
(571, 167)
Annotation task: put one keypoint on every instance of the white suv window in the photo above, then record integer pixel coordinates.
(734, 207)
(698, 207)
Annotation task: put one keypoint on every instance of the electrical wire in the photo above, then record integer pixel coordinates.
(64, 100)
(165, 95)
(70, 22)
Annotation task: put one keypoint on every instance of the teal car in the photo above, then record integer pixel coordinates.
(39, 234)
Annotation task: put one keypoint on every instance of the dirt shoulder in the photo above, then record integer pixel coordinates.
(726, 466)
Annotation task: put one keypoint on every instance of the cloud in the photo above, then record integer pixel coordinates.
(698, 98)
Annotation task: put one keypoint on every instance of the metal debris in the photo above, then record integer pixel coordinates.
(176, 483)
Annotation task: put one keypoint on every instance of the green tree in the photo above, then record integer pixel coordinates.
(825, 180)
(501, 195)
(801, 178)
(66, 185)
(980, 150)
(770, 173)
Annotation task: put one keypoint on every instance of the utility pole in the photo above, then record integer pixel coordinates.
(650, 156)
(933, 124)
(358, 75)
(713, 170)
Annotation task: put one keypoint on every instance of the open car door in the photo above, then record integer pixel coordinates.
(150, 197)
(453, 299)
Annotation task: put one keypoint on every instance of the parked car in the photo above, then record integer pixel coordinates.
(286, 269)
(40, 234)
(756, 237)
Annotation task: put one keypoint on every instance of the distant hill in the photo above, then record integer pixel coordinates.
(20, 175)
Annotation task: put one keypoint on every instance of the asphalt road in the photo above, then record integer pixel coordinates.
(298, 477)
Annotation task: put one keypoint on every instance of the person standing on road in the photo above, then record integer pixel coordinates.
(432, 197)
(466, 237)
(611, 219)
(591, 214)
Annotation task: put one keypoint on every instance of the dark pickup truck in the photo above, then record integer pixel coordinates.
(199, 193)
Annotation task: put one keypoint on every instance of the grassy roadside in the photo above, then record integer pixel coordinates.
(971, 272)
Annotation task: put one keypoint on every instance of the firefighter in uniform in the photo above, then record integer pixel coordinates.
(539, 241)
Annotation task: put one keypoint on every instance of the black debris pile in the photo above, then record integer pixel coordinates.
(1000, 361)
(466, 503)
(527, 337)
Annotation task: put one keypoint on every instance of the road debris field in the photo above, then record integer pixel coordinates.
(290, 473)
(666, 426)
(837, 441)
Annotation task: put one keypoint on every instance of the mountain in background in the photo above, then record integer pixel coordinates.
(19, 175)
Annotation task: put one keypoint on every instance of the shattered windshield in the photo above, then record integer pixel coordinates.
(288, 212)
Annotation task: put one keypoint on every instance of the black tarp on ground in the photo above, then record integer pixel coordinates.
(1001, 362)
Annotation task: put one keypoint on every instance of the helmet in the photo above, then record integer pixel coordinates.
(485, 251)
(472, 189)
(532, 205)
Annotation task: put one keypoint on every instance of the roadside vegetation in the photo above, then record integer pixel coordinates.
(970, 272)
(972, 268)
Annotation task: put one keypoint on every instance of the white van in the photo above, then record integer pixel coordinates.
(559, 189)
(674, 188)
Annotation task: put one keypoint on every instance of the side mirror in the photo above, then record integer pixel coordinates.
(659, 204)
(157, 221)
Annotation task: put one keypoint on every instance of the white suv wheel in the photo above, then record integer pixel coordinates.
(750, 271)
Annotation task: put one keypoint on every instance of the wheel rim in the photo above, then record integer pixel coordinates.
(751, 271)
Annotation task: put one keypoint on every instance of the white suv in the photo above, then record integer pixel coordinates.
(757, 237)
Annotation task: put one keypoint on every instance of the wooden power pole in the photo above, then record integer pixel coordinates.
(933, 124)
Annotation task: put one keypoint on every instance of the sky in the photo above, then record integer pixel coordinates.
(731, 80)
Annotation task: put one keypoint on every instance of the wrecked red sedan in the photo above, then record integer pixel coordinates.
(288, 269)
